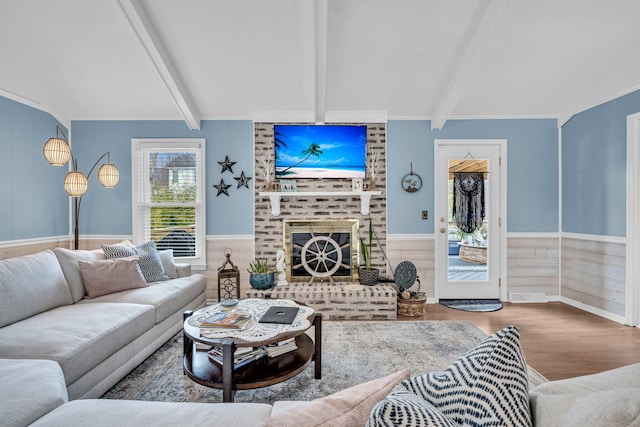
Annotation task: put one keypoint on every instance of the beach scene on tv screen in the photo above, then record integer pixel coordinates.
(320, 151)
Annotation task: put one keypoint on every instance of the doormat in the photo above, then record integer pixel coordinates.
(472, 304)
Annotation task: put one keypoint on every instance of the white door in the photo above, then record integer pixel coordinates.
(470, 221)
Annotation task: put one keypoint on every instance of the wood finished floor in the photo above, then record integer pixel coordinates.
(559, 341)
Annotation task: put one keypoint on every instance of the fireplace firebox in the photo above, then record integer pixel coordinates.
(321, 250)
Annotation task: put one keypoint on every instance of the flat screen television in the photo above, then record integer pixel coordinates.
(320, 151)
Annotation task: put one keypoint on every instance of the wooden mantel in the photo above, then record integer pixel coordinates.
(275, 196)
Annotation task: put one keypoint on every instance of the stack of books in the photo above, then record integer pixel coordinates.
(282, 347)
(242, 356)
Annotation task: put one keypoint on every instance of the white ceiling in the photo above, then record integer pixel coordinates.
(317, 60)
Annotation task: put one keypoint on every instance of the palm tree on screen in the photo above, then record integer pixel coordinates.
(313, 150)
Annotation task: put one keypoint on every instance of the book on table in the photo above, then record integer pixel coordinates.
(282, 347)
(225, 320)
(242, 356)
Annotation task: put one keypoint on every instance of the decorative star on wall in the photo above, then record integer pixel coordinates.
(243, 181)
(222, 187)
(227, 164)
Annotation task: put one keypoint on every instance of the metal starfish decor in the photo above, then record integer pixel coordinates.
(243, 181)
(227, 164)
(222, 188)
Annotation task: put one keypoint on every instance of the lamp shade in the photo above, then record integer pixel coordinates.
(108, 175)
(57, 151)
(76, 184)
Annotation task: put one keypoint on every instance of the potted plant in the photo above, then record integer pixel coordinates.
(368, 276)
(261, 274)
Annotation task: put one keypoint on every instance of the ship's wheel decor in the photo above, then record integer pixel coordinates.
(322, 255)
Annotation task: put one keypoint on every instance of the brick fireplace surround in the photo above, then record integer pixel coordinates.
(335, 300)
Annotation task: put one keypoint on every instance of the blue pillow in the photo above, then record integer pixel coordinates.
(150, 262)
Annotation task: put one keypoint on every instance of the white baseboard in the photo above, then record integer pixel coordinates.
(593, 310)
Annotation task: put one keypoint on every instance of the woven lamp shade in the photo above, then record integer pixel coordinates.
(76, 184)
(57, 151)
(108, 175)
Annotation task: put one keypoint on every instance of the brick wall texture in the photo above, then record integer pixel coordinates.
(269, 228)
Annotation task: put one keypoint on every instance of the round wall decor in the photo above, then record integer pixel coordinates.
(411, 182)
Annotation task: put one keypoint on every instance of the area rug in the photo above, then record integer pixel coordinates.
(352, 352)
(472, 304)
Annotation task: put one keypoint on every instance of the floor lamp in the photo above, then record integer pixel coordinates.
(58, 152)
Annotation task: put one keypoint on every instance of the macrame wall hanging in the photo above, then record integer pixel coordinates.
(468, 200)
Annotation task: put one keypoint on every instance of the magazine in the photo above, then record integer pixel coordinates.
(226, 320)
(242, 356)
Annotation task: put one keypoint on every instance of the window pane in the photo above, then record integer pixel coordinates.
(172, 176)
(173, 227)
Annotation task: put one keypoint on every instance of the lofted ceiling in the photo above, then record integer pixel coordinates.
(317, 60)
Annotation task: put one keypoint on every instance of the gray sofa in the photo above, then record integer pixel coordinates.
(44, 315)
(33, 392)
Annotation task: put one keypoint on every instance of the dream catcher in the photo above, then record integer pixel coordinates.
(468, 200)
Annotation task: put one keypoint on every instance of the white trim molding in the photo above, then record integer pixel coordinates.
(592, 310)
(594, 238)
(632, 227)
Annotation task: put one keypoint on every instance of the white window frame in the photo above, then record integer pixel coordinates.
(139, 147)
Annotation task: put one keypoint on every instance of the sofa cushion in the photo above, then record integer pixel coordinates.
(29, 285)
(167, 297)
(104, 412)
(604, 399)
(150, 262)
(68, 260)
(486, 386)
(349, 407)
(111, 275)
(30, 389)
(78, 336)
(620, 407)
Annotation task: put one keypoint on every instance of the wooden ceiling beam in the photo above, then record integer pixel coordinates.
(320, 90)
(148, 36)
(485, 19)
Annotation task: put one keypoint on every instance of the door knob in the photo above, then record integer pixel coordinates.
(443, 230)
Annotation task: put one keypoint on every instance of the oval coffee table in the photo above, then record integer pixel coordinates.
(260, 373)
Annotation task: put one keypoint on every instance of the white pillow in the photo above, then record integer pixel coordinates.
(169, 263)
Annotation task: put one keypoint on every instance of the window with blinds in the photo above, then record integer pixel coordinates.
(168, 194)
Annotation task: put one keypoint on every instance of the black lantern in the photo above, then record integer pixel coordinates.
(228, 280)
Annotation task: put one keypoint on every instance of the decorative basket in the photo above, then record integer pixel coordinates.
(368, 277)
(414, 306)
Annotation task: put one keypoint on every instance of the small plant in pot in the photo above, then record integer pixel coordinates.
(261, 274)
(368, 276)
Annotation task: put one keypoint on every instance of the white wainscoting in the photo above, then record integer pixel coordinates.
(594, 274)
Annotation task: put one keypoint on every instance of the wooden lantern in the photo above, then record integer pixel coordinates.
(228, 280)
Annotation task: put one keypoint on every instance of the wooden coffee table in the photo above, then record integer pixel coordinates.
(261, 373)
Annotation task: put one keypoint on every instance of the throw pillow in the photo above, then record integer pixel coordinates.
(169, 263)
(111, 275)
(403, 408)
(150, 262)
(486, 386)
(349, 407)
(68, 260)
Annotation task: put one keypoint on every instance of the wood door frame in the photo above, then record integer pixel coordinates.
(632, 278)
(502, 211)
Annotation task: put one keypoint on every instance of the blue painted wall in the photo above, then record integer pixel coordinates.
(532, 170)
(108, 211)
(594, 156)
(593, 153)
(33, 201)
